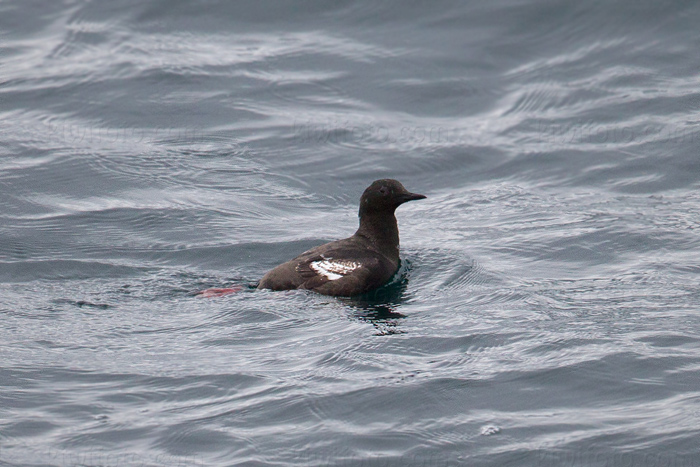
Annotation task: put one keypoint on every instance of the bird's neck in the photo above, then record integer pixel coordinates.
(382, 232)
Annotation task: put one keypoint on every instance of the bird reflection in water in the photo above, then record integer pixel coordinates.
(379, 307)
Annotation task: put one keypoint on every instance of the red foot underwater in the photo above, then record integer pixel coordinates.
(209, 293)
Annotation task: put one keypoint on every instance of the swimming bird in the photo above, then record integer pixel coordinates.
(356, 264)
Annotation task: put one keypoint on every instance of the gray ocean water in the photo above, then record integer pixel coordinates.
(546, 310)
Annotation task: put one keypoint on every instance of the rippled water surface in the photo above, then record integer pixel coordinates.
(546, 310)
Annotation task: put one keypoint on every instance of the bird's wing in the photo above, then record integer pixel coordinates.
(319, 270)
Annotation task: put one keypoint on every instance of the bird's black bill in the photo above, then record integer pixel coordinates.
(411, 197)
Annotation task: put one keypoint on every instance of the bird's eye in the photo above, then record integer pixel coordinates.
(383, 190)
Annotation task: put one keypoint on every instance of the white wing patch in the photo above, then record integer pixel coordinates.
(334, 269)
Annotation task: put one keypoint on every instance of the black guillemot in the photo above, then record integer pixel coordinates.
(357, 264)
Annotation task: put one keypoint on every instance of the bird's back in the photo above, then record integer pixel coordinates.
(342, 268)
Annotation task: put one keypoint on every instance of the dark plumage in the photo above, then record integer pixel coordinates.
(357, 264)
